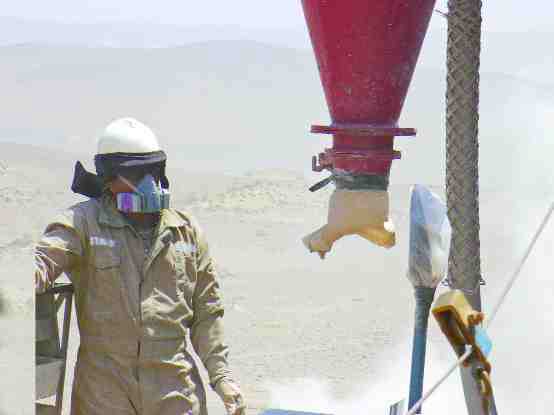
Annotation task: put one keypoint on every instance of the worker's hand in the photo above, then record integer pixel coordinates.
(230, 394)
(41, 282)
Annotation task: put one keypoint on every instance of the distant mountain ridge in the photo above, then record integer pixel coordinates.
(14, 31)
(200, 97)
(527, 54)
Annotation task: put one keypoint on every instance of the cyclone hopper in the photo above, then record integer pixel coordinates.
(366, 53)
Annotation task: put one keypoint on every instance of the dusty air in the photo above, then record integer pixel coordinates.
(244, 227)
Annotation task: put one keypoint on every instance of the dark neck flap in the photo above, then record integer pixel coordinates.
(86, 183)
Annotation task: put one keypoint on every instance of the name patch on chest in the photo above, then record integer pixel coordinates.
(185, 248)
(99, 241)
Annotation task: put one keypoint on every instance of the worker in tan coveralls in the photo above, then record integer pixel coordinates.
(143, 280)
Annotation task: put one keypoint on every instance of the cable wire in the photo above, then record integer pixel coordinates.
(517, 272)
(452, 368)
(493, 314)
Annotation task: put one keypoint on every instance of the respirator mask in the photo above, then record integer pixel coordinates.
(147, 196)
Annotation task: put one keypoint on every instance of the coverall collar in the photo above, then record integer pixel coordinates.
(108, 214)
(170, 219)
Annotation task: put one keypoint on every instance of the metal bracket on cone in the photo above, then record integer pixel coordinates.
(318, 163)
(355, 160)
(363, 129)
(362, 158)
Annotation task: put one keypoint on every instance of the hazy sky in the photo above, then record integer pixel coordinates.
(499, 15)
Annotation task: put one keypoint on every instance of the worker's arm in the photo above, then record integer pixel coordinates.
(60, 249)
(207, 328)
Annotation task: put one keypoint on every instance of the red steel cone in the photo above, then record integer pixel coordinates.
(366, 51)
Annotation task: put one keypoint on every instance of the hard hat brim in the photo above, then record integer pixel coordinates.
(131, 159)
(108, 165)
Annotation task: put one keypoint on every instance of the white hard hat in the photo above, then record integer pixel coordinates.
(127, 135)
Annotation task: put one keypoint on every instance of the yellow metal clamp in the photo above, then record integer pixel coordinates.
(458, 320)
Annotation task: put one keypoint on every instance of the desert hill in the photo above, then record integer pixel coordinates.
(251, 104)
(234, 118)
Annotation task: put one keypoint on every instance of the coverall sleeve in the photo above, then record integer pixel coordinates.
(207, 328)
(60, 249)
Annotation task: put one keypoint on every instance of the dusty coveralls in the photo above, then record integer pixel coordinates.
(135, 310)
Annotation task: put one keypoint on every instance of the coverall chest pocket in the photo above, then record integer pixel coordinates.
(185, 269)
(105, 283)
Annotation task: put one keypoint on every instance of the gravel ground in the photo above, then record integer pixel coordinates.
(332, 335)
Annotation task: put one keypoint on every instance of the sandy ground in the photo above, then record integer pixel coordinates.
(332, 335)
